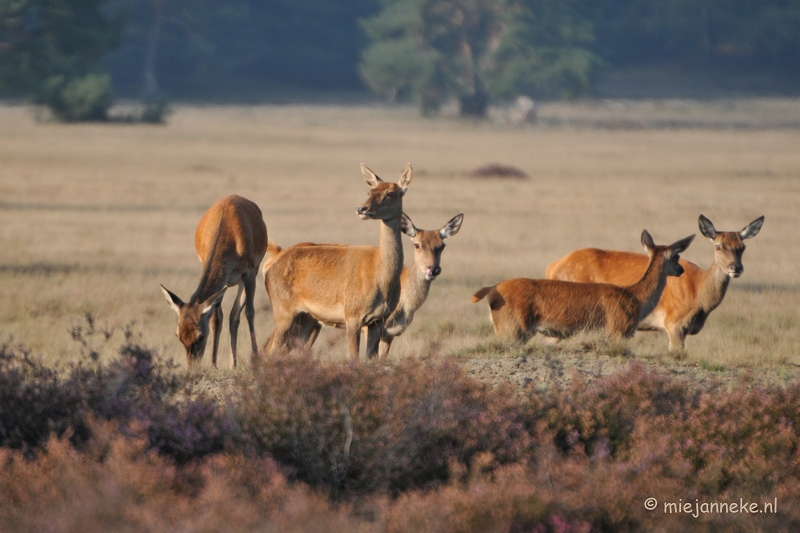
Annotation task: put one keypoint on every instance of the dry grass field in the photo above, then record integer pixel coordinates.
(94, 217)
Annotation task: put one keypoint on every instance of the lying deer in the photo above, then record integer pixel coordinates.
(337, 285)
(231, 239)
(415, 282)
(687, 301)
(522, 307)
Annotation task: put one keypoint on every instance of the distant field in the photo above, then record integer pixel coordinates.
(94, 217)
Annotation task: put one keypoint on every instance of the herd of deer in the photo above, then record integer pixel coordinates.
(367, 291)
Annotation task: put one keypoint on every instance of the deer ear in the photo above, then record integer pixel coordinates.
(452, 227)
(213, 302)
(706, 227)
(752, 229)
(406, 226)
(369, 176)
(647, 241)
(173, 300)
(681, 245)
(406, 177)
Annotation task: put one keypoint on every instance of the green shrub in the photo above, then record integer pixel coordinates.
(155, 111)
(77, 99)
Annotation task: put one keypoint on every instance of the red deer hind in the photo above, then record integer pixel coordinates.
(522, 307)
(338, 285)
(415, 282)
(688, 300)
(231, 240)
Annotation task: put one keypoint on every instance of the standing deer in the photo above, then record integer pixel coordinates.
(522, 307)
(337, 285)
(231, 239)
(687, 301)
(415, 282)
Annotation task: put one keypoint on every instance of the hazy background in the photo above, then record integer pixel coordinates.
(284, 50)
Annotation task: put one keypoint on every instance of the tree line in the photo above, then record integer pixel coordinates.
(70, 54)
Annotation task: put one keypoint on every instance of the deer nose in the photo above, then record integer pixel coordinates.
(736, 269)
(361, 210)
(437, 270)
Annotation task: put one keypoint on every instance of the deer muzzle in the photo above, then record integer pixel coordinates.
(431, 273)
(735, 270)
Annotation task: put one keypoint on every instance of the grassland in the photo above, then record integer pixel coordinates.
(94, 217)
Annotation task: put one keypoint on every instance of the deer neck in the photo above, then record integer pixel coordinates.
(213, 277)
(390, 252)
(414, 287)
(648, 290)
(713, 286)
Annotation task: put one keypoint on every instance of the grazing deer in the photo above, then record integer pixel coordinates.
(231, 239)
(521, 307)
(687, 301)
(337, 285)
(415, 282)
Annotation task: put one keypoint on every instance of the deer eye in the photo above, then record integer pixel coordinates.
(390, 194)
(718, 247)
(416, 246)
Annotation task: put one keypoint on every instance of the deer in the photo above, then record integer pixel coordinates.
(338, 285)
(521, 307)
(688, 300)
(415, 282)
(231, 240)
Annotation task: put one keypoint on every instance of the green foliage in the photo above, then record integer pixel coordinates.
(750, 34)
(545, 51)
(79, 99)
(155, 111)
(53, 48)
(429, 50)
(236, 49)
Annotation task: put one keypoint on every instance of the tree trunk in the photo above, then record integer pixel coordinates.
(151, 88)
(474, 102)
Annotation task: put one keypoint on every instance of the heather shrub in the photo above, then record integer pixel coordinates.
(138, 389)
(118, 483)
(34, 403)
(361, 428)
(601, 418)
(416, 446)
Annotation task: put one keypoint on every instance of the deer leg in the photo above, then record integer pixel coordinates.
(216, 328)
(235, 318)
(373, 336)
(250, 309)
(308, 331)
(677, 336)
(281, 331)
(386, 343)
(352, 332)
